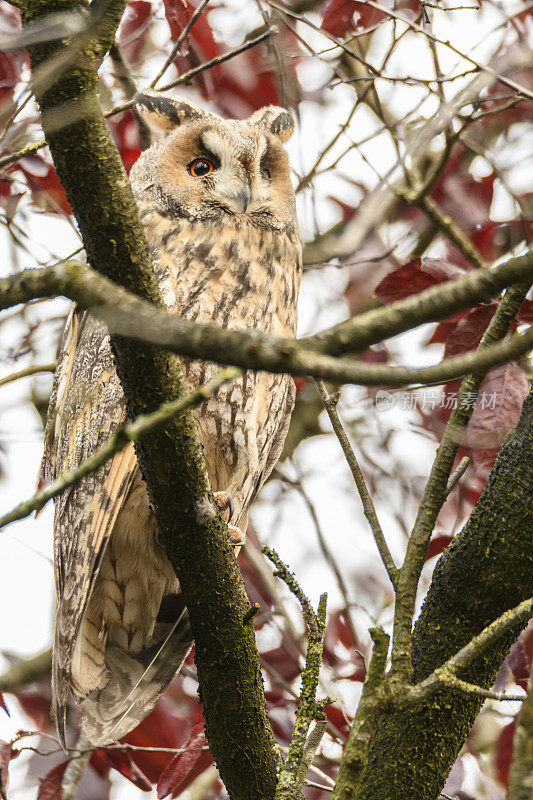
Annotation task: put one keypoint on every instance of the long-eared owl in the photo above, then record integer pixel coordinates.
(218, 208)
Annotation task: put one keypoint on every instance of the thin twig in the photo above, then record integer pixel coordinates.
(293, 772)
(447, 673)
(369, 510)
(34, 369)
(120, 439)
(456, 476)
(179, 41)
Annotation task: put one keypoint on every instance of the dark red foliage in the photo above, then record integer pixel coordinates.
(199, 46)
(47, 191)
(504, 753)
(338, 720)
(133, 29)
(36, 704)
(6, 754)
(414, 277)
(438, 544)
(168, 727)
(516, 661)
(185, 766)
(126, 135)
(339, 17)
(13, 62)
(122, 761)
(50, 787)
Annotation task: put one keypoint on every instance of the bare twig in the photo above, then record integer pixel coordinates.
(179, 41)
(122, 437)
(34, 369)
(330, 404)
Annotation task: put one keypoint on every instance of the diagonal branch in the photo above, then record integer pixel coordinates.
(121, 438)
(131, 317)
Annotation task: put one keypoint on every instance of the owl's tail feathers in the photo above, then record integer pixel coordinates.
(136, 681)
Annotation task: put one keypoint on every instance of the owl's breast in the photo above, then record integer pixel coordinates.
(237, 278)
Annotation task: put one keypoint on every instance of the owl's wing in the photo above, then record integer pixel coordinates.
(87, 404)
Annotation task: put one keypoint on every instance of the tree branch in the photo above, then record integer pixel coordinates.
(355, 754)
(485, 571)
(435, 491)
(293, 771)
(129, 316)
(121, 438)
(330, 404)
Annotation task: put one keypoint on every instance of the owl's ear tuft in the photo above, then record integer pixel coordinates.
(165, 113)
(276, 120)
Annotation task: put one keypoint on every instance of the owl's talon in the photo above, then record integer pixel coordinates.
(225, 502)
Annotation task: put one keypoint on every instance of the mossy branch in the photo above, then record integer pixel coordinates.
(355, 754)
(301, 750)
(436, 491)
(484, 572)
(131, 317)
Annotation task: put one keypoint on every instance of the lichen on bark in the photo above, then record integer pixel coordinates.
(486, 570)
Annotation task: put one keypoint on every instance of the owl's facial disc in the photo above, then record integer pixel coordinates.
(232, 171)
(236, 180)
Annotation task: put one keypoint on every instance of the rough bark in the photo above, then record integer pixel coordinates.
(171, 460)
(485, 571)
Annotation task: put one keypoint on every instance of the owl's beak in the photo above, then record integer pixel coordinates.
(244, 196)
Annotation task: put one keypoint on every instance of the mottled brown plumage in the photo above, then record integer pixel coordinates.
(226, 250)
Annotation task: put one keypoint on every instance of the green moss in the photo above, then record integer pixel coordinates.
(485, 571)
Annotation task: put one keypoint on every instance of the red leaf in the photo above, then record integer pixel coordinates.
(467, 333)
(122, 761)
(132, 31)
(51, 785)
(126, 135)
(504, 753)
(339, 16)
(526, 312)
(178, 14)
(498, 407)
(438, 544)
(3, 704)
(337, 718)
(163, 727)
(37, 706)
(414, 277)
(44, 184)
(185, 766)
(517, 663)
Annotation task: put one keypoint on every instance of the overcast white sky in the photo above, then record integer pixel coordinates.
(26, 588)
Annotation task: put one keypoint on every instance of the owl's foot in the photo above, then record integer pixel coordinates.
(237, 537)
(225, 502)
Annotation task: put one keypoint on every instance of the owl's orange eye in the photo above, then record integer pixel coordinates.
(200, 167)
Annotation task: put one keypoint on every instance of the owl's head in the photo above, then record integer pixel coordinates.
(205, 167)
